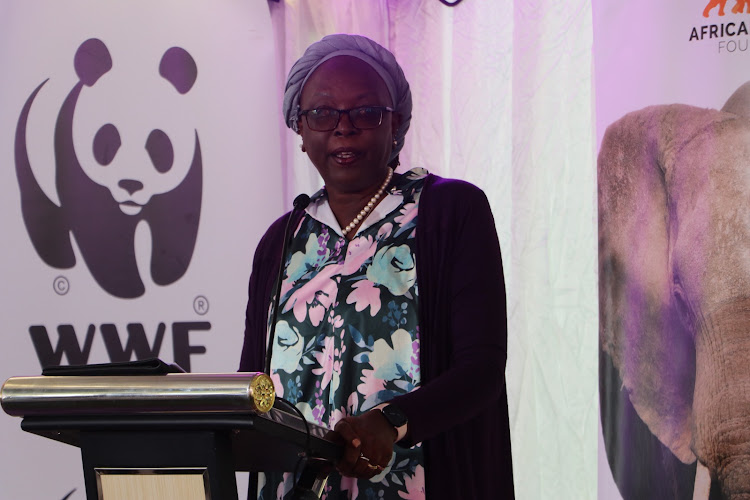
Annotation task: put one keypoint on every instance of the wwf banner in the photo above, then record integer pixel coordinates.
(673, 131)
(139, 149)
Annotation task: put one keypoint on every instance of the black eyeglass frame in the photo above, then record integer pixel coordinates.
(347, 111)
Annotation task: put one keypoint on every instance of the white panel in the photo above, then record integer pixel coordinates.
(230, 110)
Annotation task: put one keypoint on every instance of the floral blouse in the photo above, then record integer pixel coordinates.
(347, 333)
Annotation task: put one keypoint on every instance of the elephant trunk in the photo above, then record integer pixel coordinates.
(721, 402)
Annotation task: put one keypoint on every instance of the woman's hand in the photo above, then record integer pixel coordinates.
(369, 442)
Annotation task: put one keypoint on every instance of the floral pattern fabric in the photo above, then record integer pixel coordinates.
(347, 336)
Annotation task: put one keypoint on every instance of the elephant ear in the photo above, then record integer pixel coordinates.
(642, 321)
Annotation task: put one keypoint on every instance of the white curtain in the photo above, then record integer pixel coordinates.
(502, 98)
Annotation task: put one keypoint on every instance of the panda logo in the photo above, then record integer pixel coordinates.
(121, 176)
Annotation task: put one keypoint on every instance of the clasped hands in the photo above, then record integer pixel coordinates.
(368, 440)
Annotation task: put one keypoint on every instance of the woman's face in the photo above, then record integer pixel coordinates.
(350, 160)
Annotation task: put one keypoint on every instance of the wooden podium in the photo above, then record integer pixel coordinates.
(176, 436)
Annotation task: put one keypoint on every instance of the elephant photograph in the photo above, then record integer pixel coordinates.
(674, 300)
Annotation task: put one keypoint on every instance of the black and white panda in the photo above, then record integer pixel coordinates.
(133, 158)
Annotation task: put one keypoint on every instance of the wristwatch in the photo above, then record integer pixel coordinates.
(394, 415)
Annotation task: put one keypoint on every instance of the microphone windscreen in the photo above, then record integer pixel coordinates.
(301, 202)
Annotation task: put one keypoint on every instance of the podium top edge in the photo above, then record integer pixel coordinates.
(174, 392)
(217, 375)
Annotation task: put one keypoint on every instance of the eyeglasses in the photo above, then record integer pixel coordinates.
(327, 119)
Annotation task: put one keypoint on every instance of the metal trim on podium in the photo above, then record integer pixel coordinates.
(172, 436)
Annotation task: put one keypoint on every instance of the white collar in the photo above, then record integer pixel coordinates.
(320, 210)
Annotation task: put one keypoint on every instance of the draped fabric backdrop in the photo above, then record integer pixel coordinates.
(502, 98)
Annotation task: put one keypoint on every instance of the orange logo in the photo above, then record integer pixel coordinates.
(738, 8)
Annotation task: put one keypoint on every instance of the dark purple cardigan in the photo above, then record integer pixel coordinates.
(460, 412)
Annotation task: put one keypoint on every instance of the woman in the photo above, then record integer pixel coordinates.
(391, 326)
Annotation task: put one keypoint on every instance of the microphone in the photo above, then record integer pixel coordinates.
(300, 203)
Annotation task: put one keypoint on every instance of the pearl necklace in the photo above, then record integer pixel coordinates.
(370, 204)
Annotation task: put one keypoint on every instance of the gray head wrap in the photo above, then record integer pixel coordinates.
(362, 48)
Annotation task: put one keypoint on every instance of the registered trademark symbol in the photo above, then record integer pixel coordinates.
(61, 285)
(200, 305)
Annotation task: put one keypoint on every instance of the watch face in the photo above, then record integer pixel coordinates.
(395, 416)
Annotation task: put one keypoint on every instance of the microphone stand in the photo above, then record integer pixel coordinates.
(315, 471)
(300, 203)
